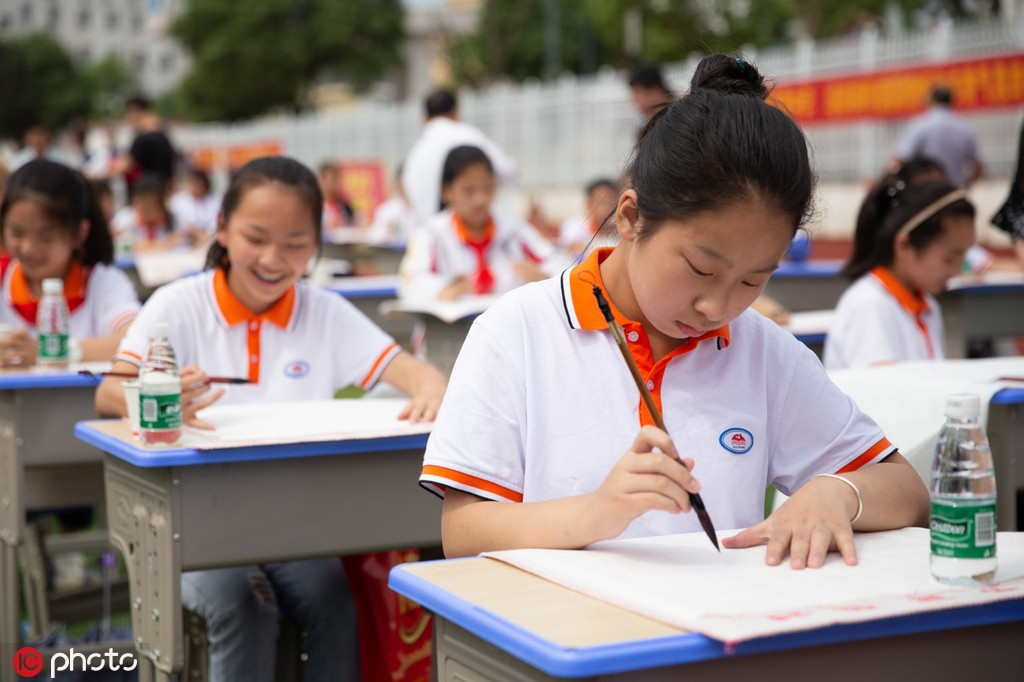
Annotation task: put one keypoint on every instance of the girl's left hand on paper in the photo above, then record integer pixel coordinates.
(423, 407)
(18, 349)
(195, 396)
(814, 521)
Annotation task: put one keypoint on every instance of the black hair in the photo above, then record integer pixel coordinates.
(137, 102)
(153, 185)
(262, 171)
(646, 75)
(893, 202)
(718, 144)
(459, 159)
(66, 196)
(598, 183)
(877, 204)
(440, 103)
(942, 95)
(201, 176)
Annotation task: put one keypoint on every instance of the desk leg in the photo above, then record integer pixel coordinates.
(144, 518)
(12, 519)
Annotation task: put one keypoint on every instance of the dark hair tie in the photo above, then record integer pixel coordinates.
(895, 191)
(742, 64)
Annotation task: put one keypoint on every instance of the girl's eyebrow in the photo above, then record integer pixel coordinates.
(296, 233)
(768, 269)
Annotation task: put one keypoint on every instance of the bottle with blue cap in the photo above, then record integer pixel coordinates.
(963, 498)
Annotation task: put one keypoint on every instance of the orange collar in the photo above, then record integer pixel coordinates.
(466, 236)
(235, 312)
(914, 302)
(581, 280)
(20, 295)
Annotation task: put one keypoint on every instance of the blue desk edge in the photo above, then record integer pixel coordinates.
(687, 647)
(162, 457)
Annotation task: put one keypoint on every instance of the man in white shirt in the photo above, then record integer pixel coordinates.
(443, 131)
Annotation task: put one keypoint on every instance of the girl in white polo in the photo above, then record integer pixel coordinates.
(542, 440)
(467, 249)
(250, 316)
(52, 227)
(902, 259)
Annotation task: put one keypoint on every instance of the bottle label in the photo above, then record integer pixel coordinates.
(160, 411)
(53, 347)
(961, 532)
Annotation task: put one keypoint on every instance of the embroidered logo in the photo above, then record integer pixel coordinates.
(736, 441)
(296, 369)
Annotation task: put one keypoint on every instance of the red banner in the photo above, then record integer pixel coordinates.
(363, 184)
(234, 156)
(985, 83)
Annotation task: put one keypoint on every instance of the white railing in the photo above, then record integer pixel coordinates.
(567, 131)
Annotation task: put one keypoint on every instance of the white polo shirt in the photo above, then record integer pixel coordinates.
(541, 406)
(879, 321)
(440, 251)
(307, 346)
(101, 299)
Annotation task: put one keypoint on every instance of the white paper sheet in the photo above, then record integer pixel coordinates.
(733, 596)
(446, 311)
(300, 421)
(156, 268)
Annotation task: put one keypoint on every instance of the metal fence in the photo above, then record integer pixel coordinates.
(567, 131)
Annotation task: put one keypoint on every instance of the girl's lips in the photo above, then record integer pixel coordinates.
(688, 330)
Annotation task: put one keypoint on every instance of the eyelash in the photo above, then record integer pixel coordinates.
(696, 271)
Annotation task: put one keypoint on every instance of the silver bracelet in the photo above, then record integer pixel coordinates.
(860, 500)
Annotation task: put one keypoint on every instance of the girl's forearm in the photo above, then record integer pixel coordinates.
(470, 525)
(894, 496)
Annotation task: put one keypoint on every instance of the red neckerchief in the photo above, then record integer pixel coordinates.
(20, 296)
(152, 228)
(483, 279)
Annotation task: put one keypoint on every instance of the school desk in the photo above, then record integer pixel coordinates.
(496, 622)
(807, 285)
(42, 464)
(810, 327)
(150, 270)
(179, 509)
(982, 307)
(446, 324)
(355, 244)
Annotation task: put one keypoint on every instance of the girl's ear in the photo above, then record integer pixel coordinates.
(626, 216)
(83, 233)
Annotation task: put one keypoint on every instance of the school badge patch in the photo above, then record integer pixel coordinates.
(736, 441)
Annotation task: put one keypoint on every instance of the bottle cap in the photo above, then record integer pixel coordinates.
(158, 330)
(53, 286)
(963, 405)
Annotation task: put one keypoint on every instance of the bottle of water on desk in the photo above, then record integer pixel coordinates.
(159, 390)
(963, 498)
(53, 325)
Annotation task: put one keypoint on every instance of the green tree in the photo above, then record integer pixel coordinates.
(111, 83)
(251, 57)
(39, 84)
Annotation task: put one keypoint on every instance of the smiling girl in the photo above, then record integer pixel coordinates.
(250, 316)
(52, 227)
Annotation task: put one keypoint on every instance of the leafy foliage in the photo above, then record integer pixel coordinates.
(39, 84)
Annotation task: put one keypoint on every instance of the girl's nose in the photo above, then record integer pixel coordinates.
(712, 304)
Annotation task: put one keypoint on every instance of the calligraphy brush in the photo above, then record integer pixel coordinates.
(695, 501)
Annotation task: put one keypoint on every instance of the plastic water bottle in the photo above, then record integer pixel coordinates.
(159, 390)
(53, 325)
(963, 498)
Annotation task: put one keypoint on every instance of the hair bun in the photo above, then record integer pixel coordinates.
(730, 75)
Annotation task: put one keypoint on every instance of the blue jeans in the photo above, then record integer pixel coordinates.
(240, 606)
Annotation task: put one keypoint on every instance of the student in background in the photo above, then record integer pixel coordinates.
(146, 223)
(52, 227)
(151, 152)
(910, 240)
(541, 411)
(194, 208)
(467, 249)
(337, 211)
(393, 220)
(250, 315)
(575, 233)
